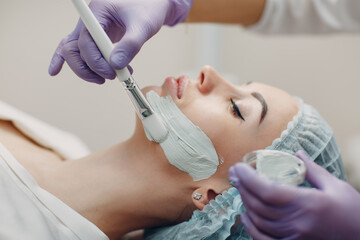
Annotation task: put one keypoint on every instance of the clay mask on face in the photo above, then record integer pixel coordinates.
(186, 147)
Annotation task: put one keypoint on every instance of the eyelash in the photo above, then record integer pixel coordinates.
(235, 110)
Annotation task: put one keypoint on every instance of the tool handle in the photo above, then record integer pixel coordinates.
(98, 34)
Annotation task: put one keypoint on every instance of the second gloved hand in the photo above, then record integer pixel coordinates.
(274, 211)
(129, 22)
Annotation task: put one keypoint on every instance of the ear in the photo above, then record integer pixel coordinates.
(202, 197)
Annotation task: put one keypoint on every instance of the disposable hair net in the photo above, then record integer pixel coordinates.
(219, 219)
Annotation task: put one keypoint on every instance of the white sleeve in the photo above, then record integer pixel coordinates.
(309, 17)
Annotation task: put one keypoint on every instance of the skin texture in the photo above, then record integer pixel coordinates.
(120, 189)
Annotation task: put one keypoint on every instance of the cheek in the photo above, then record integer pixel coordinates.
(231, 140)
(219, 129)
(235, 145)
(208, 115)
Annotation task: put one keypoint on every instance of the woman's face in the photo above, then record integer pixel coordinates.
(238, 119)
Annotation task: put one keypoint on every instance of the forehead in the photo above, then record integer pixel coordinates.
(278, 100)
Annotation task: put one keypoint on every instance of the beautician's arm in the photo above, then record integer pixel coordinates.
(130, 23)
(244, 12)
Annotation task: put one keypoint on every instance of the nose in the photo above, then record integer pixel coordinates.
(209, 79)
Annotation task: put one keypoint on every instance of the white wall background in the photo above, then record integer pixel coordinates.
(324, 70)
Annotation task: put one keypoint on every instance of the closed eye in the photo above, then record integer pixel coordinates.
(236, 110)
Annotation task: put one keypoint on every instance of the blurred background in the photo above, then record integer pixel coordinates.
(323, 70)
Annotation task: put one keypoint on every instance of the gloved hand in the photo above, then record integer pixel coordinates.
(331, 210)
(132, 22)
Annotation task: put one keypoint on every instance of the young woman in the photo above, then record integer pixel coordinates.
(131, 185)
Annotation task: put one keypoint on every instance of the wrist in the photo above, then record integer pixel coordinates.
(178, 11)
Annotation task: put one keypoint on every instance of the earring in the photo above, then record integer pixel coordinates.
(197, 196)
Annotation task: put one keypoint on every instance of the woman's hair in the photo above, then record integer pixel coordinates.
(309, 132)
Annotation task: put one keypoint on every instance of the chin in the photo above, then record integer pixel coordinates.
(147, 89)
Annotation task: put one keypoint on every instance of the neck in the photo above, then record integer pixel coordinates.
(127, 187)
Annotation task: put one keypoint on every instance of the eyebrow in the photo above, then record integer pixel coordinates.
(264, 105)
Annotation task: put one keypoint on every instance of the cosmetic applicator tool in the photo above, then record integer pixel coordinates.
(151, 121)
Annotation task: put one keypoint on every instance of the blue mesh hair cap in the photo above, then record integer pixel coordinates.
(219, 219)
(308, 131)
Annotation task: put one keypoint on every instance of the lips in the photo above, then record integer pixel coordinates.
(177, 86)
(182, 81)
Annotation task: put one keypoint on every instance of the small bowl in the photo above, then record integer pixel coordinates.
(278, 166)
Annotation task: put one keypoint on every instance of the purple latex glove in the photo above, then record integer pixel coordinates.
(331, 210)
(129, 22)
